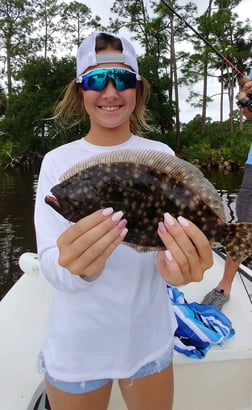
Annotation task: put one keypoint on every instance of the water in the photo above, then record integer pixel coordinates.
(17, 195)
(227, 184)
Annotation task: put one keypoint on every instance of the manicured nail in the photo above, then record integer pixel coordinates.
(183, 221)
(168, 255)
(162, 228)
(107, 211)
(117, 216)
(169, 219)
(122, 223)
(124, 232)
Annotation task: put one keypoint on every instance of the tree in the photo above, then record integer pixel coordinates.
(236, 44)
(149, 30)
(224, 32)
(46, 18)
(15, 26)
(28, 124)
(175, 33)
(3, 102)
(76, 18)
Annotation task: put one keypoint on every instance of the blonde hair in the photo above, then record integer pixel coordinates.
(70, 111)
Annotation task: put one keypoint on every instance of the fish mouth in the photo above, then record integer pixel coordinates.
(53, 202)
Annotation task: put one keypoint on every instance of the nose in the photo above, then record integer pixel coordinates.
(110, 90)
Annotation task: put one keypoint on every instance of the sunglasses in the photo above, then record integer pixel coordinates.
(97, 80)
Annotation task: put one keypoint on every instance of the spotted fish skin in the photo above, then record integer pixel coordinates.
(145, 184)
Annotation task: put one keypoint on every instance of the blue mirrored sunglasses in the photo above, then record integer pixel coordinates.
(98, 79)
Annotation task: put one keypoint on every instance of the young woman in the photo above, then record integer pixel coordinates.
(110, 317)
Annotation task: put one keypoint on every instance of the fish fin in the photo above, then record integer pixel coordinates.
(142, 249)
(238, 238)
(177, 168)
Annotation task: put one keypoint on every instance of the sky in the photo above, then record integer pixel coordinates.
(187, 112)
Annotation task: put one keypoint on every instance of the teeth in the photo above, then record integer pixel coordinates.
(106, 108)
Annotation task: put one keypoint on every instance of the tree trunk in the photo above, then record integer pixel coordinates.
(205, 75)
(175, 83)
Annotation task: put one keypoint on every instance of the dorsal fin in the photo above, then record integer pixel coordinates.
(182, 171)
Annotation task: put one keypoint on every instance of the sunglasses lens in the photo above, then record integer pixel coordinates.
(97, 79)
(125, 79)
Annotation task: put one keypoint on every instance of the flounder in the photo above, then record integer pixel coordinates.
(145, 184)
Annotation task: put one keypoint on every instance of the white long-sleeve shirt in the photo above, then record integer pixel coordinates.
(110, 327)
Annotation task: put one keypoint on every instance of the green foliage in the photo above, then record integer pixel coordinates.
(27, 121)
(31, 28)
(6, 151)
(218, 144)
(75, 18)
(168, 138)
(161, 109)
(3, 102)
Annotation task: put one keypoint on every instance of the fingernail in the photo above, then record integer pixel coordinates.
(124, 232)
(117, 216)
(169, 219)
(107, 211)
(168, 255)
(162, 228)
(122, 223)
(183, 221)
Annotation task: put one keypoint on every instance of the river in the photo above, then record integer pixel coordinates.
(17, 195)
(17, 235)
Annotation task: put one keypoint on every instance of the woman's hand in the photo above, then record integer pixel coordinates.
(85, 246)
(188, 252)
(247, 88)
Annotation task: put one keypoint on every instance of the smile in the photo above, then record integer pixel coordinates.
(109, 108)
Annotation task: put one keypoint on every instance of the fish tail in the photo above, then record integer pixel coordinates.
(238, 240)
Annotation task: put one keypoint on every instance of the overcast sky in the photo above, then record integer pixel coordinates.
(187, 113)
(102, 7)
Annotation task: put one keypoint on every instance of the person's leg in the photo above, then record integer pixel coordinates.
(96, 399)
(149, 392)
(220, 295)
(230, 270)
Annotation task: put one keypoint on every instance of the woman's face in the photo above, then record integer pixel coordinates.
(109, 108)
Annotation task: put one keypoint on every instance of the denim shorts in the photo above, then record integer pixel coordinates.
(155, 366)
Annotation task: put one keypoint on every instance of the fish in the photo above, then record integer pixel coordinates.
(145, 184)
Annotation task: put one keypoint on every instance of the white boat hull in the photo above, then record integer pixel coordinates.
(220, 381)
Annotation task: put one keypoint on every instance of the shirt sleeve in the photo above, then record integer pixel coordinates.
(249, 159)
(49, 225)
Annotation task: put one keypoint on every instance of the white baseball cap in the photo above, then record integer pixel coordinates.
(87, 57)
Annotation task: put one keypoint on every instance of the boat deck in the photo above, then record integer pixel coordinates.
(223, 379)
